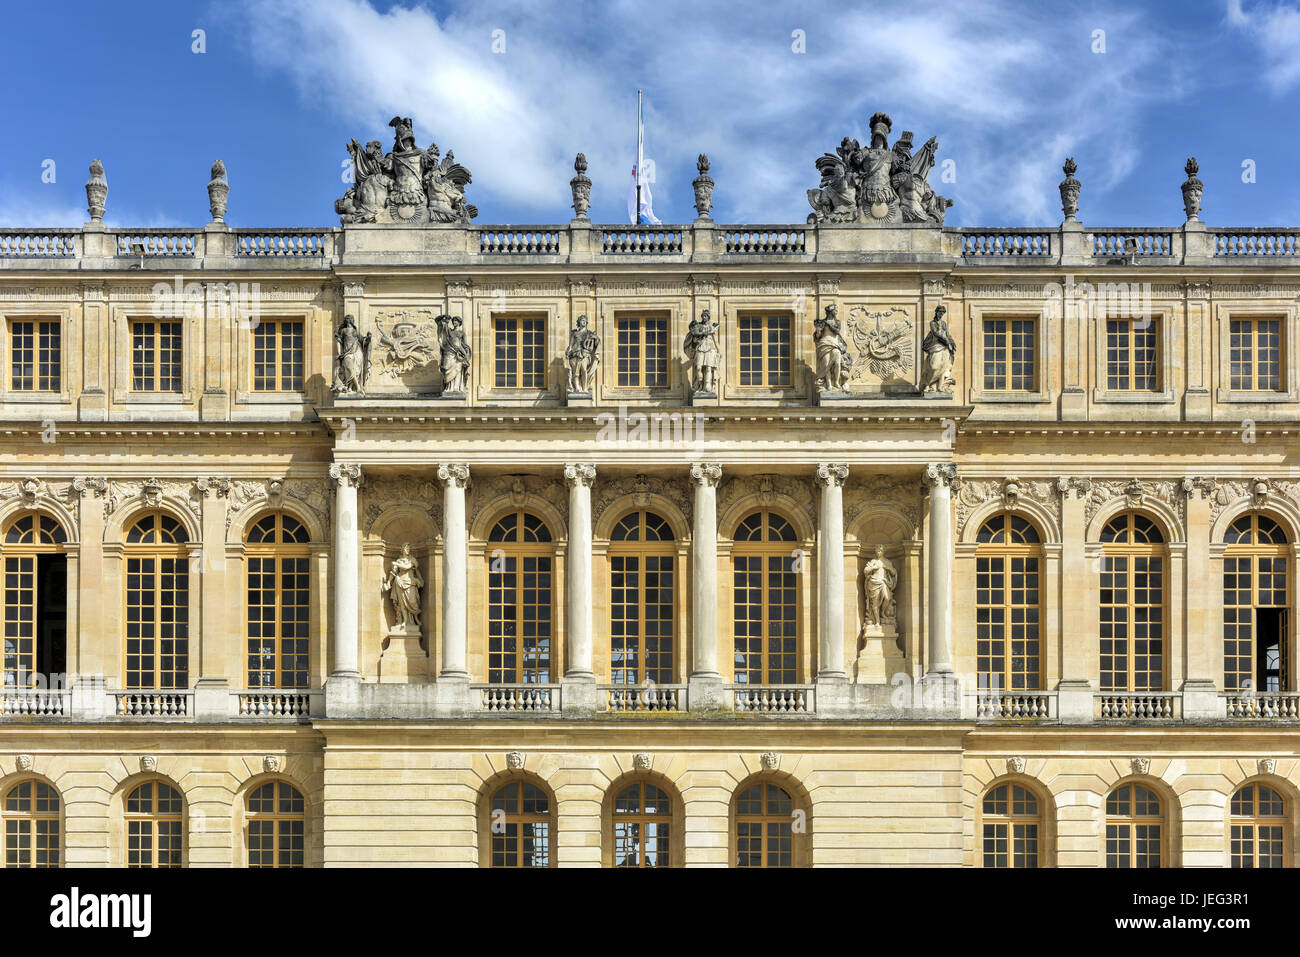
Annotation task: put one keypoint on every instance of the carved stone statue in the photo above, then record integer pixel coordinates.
(402, 586)
(834, 364)
(702, 346)
(455, 355)
(703, 186)
(880, 581)
(582, 357)
(938, 350)
(408, 185)
(353, 363)
(877, 185)
(96, 191)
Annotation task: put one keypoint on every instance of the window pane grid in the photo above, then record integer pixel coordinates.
(1132, 355)
(276, 830)
(520, 352)
(642, 352)
(155, 356)
(765, 350)
(36, 355)
(1255, 354)
(1010, 355)
(278, 356)
(30, 817)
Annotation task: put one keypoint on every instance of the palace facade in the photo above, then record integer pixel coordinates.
(276, 595)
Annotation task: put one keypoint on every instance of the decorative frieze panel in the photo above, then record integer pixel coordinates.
(43, 293)
(310, 494)
(766, 489)
(642, 287)
(1259, 490)
(152, 491)
(518, 490)
(972, 494)
(882, 343)
(901, 495)
(406, 349)
(641, 488)
(1133, 492)
(380, 493)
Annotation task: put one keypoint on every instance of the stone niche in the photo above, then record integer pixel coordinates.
(884, 514)
(398, 513)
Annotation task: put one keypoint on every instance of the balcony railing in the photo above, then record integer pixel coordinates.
(654, 698)
(764, 240)
(520, 242)
(284, 243)
(1112, 243)
(1016, 705)
(39, 243)
(1009, 243)
(41, 702)
(154, 704)
(277, 704)
(772, 699)
(642, 240)
(157, 242)
(522, 698)
(1139, 705)
(1263, 706)
(1256, 241)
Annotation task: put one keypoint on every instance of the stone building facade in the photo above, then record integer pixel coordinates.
(285, 591)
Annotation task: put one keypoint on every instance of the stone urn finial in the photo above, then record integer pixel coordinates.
(1192, 190)
(96, 191)
(703, 187)
(1070, 190)
(581, 186)
(218, 190)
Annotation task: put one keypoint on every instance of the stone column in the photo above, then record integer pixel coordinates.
(1203, 618)
(705, 687)
(455, 546)
(939, 478)
(1076, 623)
(832, 679)
(347, 571)
(830, 571)
(579, 692)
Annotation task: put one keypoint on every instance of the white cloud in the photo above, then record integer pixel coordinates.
(1276, 30)
(1010, 90)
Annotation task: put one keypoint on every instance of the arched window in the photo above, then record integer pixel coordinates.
(1256, 632)
(766, 824)
(276, 826)
(521, 826)
(641, 606)
(1135, 827)
(154, 826)
(1012, 824)
(35, 601)
(157, 603)
(521, 560)
(765, 606)
(31, 825)
(1008, 604)
(1259, 827)
(642, 824)
(1132, 605)
(279, 603)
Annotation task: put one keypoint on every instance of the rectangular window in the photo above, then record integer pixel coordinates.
(277, 356)
(1255, 349)
(155, 356)
(1132, 355)
(157, 622)
(765, 350)
(642, 352)
(1010, 355)
(520, 352)
(36, 355)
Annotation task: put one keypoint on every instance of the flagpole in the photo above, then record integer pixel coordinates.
(639, 159)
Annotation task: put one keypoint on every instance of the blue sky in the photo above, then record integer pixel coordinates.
(1010, 89)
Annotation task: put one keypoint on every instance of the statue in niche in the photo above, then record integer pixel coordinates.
(582, 357)
(939, 351)
(402, 586)
(702, 347)
(880, 582)
(353, 364)
(834, 363)
(455, 355)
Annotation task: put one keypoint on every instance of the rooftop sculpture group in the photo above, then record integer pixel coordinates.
(408, 185)
(877, 185)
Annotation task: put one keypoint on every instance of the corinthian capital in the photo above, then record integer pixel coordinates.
(207, 485)
(580, 475)
(940, 475)
(706, 473)
(832, 475)
(453, 476)
(346, 474)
